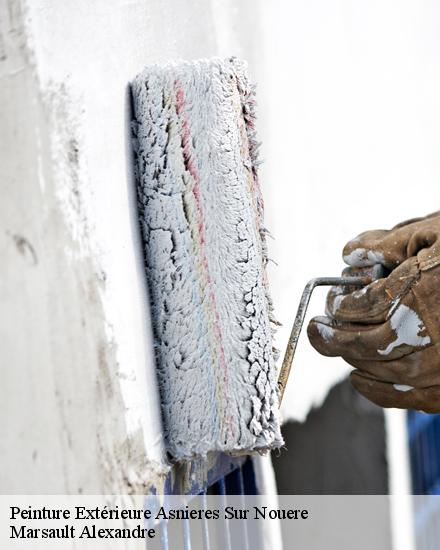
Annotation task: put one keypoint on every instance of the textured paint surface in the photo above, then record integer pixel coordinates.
(201, 217)
(69, 428)
(75, 332)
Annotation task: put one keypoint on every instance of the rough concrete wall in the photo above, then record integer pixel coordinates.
(61, 389)
(78, 384)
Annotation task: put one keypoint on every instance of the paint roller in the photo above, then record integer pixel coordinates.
(201, 217)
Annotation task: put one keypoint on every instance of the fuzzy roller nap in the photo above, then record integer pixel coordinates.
(201, 218)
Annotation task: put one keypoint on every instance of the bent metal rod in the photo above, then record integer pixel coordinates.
(299, 321)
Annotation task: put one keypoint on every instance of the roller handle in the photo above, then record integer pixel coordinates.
(362, 278)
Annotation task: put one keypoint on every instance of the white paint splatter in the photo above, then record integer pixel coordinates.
(361, 257)
(402, 387)
(339, 297)
(337, 303)
(407, 325)
(325, 331)
(360, 293)
(337, 290)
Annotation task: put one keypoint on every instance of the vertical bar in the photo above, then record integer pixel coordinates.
(163, 525)
(221, 486)
(186, 535)
(436, 447)
(422, 487)
(425, 463)
(401, 509)
(435, 521)
(243, 505)
(418, 476)
(226, 530)
(429, 449)
(205, 526)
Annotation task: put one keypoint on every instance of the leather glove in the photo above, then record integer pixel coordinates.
(389, 330)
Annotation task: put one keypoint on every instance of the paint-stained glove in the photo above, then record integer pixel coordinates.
(390, 330)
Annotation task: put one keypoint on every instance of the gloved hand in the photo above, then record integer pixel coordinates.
(390, 330)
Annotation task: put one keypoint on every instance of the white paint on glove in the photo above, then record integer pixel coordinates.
(361, 257)
(402, 387)
(407, 325)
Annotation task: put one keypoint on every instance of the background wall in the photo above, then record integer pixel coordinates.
(349, 114)
(339, 449)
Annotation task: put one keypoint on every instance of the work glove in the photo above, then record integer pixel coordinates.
(389, 330)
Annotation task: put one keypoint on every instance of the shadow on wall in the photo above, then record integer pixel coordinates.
(339, 449)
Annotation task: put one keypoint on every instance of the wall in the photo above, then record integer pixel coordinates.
(78, 384)
(349, 116)
(339, 449)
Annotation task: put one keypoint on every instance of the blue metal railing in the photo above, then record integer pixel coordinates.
(424, 447)
(228, 476)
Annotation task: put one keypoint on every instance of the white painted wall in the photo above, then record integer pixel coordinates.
(349, 108)
(348, 102)
(349, 115)
(78, 380)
